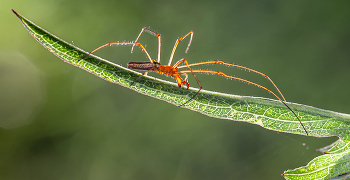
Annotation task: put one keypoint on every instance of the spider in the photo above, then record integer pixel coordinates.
(175, 72)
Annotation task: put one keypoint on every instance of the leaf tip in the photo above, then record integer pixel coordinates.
(14, 11)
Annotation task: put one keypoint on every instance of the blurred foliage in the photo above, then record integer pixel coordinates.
(55, 127)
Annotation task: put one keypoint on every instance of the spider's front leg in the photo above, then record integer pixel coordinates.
(185, 81)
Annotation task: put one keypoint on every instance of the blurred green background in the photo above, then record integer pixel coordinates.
(60, 122)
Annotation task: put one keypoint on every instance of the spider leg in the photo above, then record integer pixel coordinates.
(243, 80)
(143, 74)
(185, 81)
(189, 71)
(120, 43)
(176, 44)
(153, 33)
(235, 65)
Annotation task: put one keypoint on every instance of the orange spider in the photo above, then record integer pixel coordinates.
(174, 72)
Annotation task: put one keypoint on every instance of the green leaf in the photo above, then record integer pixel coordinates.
(268, 113)
(334, 163)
